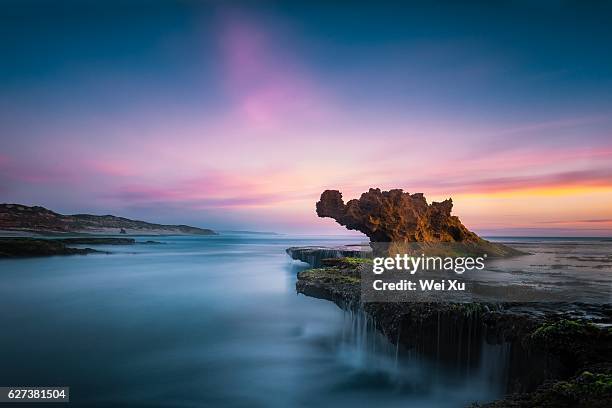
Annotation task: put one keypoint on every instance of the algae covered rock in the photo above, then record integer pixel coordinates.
(28, 247)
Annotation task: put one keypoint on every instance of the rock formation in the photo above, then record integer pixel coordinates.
(395, 216)
(28, 247)
(408, 223)
(315, 255)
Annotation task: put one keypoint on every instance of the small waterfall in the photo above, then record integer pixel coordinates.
(455, 349)
(438, 355)
(397, 345)
(362, 346)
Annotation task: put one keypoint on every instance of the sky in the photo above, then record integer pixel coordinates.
(237, 115)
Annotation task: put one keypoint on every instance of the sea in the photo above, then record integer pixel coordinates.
(215, 321)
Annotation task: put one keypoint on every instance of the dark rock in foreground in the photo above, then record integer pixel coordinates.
(25, 247)
(585, 390)
(28, 247)
(314, 255)
(21, 218)
(98, 241)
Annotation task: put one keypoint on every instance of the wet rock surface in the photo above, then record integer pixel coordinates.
(97, 241)
(30, 247)
(585, 390)
(314, 255)
(550, 345)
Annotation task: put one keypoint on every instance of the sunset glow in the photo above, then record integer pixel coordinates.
(235, 121)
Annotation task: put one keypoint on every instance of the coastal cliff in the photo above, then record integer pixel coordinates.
(19, 218)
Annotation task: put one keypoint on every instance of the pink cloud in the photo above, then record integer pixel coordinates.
(134, 195)
(591, 221)
(590, 178)
(39, 172)
(268, 86)
(492, 171)
(532, 159)
(453, 185)
(110, 168)
(214, 189)
(555, 124)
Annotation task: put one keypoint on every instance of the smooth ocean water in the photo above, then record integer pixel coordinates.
(207, 321)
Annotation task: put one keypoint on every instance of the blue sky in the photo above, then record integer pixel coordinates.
(238, 114)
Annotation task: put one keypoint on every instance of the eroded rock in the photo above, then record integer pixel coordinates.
(396, 216)
(399, 222)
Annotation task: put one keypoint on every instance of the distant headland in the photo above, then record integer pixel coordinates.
(17, 218)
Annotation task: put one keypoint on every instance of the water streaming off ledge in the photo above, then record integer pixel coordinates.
(412, 371)
(212, 321)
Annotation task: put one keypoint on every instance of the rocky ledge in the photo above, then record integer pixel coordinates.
(314, 255)
(559, 354)
(28, 247)
(97, 241)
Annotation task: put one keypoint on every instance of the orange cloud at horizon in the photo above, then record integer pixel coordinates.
(585, 210)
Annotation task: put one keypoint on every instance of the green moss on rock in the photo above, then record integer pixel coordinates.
(563, 328)
(356, 261)
(586, 384)
(577, 343)
(329, 275)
